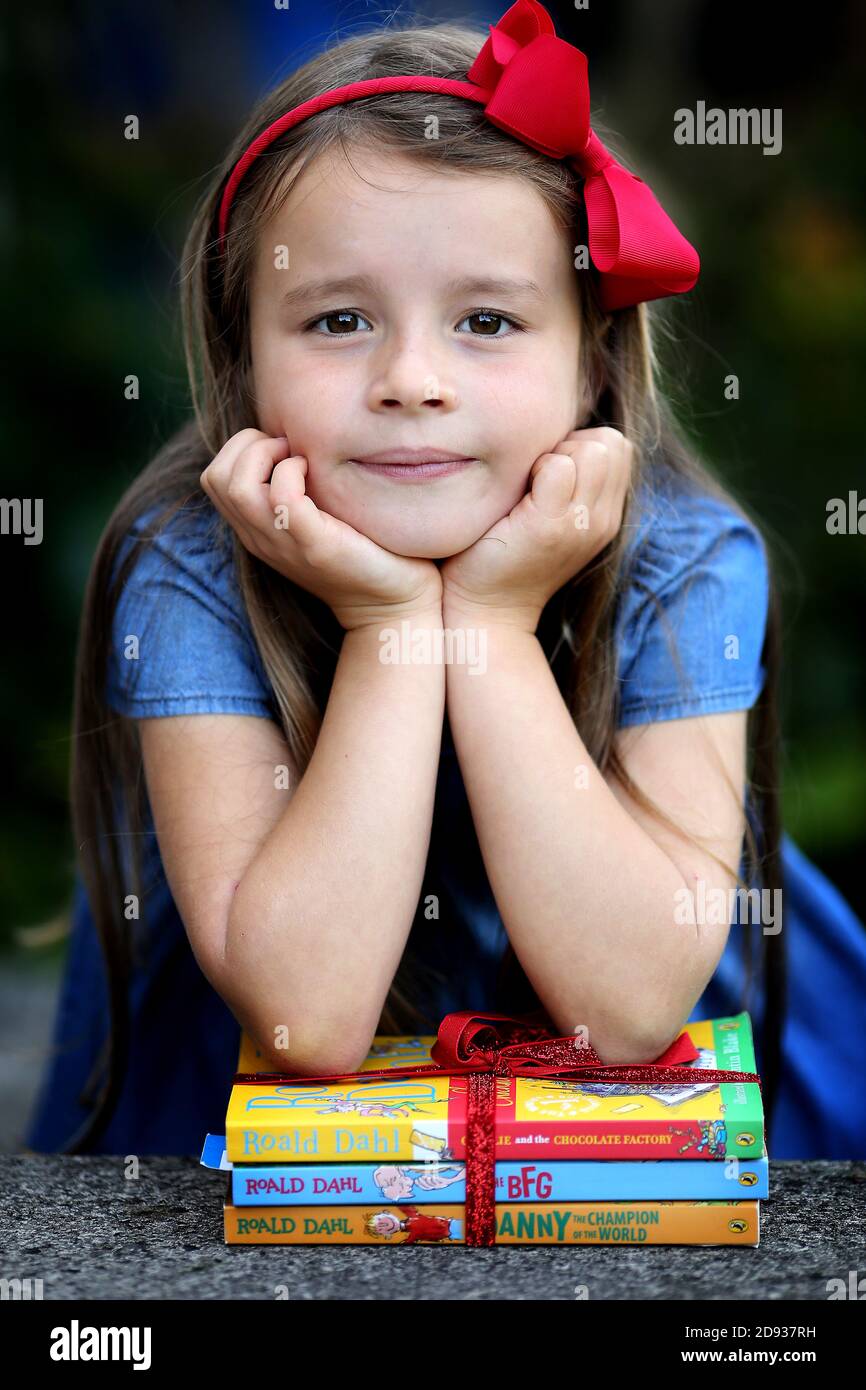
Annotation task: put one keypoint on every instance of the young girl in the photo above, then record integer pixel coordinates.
(294, 813)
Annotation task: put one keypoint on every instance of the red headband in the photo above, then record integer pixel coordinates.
(535, 87)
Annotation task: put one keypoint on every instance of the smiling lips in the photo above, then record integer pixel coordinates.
(414, 464)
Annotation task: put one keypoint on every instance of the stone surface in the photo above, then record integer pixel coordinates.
(88, 1232)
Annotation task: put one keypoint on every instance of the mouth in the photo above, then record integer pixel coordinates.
(414, 464)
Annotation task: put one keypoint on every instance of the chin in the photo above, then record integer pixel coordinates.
(432, 543)
(412, 534)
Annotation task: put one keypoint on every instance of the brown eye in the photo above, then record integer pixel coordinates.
(490, 322)
(342, 319)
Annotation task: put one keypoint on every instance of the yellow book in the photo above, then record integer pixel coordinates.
(424, 1117)
(547, 1223)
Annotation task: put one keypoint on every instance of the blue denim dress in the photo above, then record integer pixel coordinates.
(698, 575)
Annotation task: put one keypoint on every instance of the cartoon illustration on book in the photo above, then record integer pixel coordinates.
(433, 1143)
(398, 1181)
(713, 1141)
(668, 1095)
(380, 1098)
(341, 1105)
(413, 1226)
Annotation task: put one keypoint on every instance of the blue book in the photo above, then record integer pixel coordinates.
(609, 1180)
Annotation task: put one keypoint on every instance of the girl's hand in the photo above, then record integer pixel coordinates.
(573, 508)
(260, 490)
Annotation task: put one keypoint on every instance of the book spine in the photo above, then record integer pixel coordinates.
(575, 1223)
(676, 1139)
(403, 1142)
(338, 1184)
(733, 1043)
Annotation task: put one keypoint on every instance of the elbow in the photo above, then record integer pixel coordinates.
(628, 1046)
(628, 1041)
(303, 1040)
(297, 1046)
(660, 1013)
(312, 1053)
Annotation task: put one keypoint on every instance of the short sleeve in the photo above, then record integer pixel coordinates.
(691, 621)
(181, 639)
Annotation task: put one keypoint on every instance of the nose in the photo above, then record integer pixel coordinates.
(412, 376)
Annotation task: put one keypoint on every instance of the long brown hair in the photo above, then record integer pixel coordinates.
(298, 637)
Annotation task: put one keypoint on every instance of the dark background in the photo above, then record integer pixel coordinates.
(94, 224)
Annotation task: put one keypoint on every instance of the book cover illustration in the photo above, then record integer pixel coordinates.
(384, 1052)
(424, 1118)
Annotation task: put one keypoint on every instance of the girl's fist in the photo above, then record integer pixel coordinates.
(260, 489)
(572, 509)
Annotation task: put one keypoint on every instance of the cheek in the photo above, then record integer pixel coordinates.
(299, 404)
(551, 385)
(525, 394)
(316, 392)
(269, 389)
(516, 487)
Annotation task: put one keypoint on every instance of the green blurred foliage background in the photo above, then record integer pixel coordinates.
(94, 224)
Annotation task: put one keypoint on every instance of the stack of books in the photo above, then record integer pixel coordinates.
(382, 1162)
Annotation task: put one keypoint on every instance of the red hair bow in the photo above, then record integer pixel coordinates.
(534, 86)
(539, 93)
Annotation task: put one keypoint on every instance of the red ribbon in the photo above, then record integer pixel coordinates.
(535, 86)
(539, 93)
(484, 1046)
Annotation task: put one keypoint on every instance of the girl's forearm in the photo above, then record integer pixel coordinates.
(586, 896)
(321, 917)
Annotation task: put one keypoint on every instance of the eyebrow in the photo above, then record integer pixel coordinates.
(330, 286)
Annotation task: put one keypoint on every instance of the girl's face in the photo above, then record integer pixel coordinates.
(399, 355)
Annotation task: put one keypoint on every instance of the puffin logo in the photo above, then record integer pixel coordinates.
(748, 1179)
(738, 1225)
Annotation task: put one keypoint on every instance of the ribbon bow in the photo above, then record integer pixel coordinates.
(539, 92)
(483, 1046)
